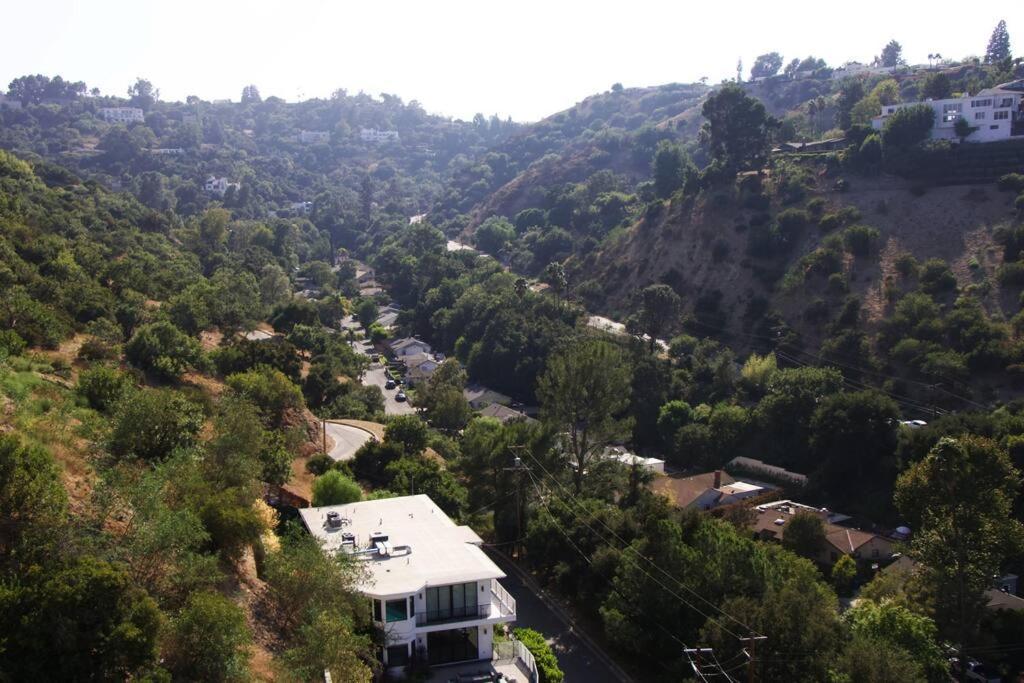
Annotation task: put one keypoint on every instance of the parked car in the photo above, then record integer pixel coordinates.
(400, 396)
(390, 384)
(976, 671)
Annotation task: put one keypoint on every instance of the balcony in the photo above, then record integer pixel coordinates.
(500, 607)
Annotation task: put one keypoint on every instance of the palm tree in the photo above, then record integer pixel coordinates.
(812, 114)
(521, 288)
(822, 105)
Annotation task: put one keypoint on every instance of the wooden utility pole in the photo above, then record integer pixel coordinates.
(518, 466)
(323, 432)
(751, 654)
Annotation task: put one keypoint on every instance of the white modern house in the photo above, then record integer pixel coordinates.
(995, 114)
(219, 186)
(308, 137)
(376, 135)
(434, 592)
(122, 114)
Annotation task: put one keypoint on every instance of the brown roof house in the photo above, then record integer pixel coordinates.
(707, 491)
(863, 546)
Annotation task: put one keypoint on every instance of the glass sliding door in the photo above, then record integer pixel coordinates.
(455, 645)
(457, 601)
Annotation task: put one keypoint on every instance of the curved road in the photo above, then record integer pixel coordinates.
(347, 440)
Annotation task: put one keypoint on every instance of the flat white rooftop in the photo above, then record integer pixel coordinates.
(440, 551)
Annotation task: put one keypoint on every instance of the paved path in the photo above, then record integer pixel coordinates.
(580, 662)
(347, 440)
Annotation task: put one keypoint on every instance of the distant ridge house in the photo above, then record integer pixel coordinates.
(995, 114)
(122, 114)
(219, 186)
(505, 415)
(708, 490)
(375, 135)
(308, 137)
(408, 346)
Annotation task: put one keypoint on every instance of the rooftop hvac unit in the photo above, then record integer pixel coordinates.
(348, 538)
(334, 520)
(377, 537)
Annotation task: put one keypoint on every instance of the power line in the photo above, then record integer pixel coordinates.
(628, 548)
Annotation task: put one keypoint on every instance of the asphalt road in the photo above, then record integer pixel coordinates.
(579, 662)
(347, 440)
(375, 377)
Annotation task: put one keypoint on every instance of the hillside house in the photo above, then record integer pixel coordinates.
(996, 114)
(219, 186)
(479, 397)
(433, 591)
(408, 346)
(505, 415)
(628, 459)
(375, 135)
(863, 546)
(387, 317)
(708, 490)
(420, 368)
(308, 137)
(122, 114)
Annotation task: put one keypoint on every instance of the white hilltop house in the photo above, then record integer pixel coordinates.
(307, 137)
(433, 590)
(219, 186)
(995, 113)
(377, 135)
(122, 114)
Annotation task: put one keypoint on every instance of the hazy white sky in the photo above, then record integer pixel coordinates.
(526, 59)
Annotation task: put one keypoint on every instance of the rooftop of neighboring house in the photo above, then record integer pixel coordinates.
(998, 598)
(417, 360)
(684, 490)
(397, 345)
(423, 546)
(478, 393)
(773, 517)
(504, 413)
(627, 458)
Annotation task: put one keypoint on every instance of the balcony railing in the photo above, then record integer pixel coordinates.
(442, 616)
(501, 604)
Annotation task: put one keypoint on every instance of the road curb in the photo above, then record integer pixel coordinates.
(566, 617)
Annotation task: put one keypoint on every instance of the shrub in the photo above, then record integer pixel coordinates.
(816, 206)
(908, 126)
(102, 386)
(1018, 204)
(936, 276)
(318, 464)
(269, 390)
(151, 424)
(547, 663)
(334, 488)
(906, 264)
(829, 222)
(860, 239)
(837, 284)
(1012, 273)
(209, 640)
(11, 343)
(1012, 182)
(163, 350)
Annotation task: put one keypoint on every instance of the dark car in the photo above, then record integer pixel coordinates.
(400, 396)
(390, 384)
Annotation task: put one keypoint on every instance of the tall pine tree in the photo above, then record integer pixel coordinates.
(998, 45)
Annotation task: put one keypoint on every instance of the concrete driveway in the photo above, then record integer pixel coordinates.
(375, 377)
(347, 440)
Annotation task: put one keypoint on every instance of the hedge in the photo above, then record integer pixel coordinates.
(547, 663)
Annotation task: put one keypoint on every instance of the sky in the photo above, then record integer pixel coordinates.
(525, 59)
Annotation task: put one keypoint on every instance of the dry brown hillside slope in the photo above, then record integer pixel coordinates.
(701, 247)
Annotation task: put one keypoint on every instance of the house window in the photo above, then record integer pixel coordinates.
(979, 116)
(1006, 102)
(451, 602)
(1001, 115)
(376, 610)
(994, 127)
(412, 605)
(398, 655)
(395, 610)
(981, 103)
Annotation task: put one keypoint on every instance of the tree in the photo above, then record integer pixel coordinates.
(766, 65)
(804, 534)
(866, 660)
(736, 132)
(844, 571)
(334, 488)
(275, 289)
(908, 126)
(998, 49)
(33, 503)
(270, 391)
(892, 54)
(84, 621)
(163, 350)
(937, 86)
(667, 167)
(547, 662)
(143, 94)
(958, 500)
(890, 623)
(408, 431)
(152, 423)
(659, 308)
(251, 95)
(443, 397)
(584, 389)
(209, 640)
(494, 234)
(366, 312)
(554, 276)
(102, 386)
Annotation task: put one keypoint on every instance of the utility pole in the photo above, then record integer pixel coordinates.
(518, 466)
(751, 654)
(694, 656)
(323, 431)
